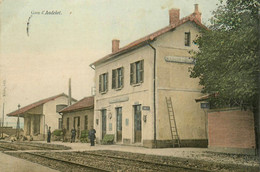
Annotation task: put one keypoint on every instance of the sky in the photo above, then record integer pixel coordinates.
(62, 46)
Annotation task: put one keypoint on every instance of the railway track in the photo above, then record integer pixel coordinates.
(4, 148)
(158, 165)
(114, 163)
(82, 167)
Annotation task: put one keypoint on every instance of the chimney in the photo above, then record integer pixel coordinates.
(196, 13)
(115, 45)
(174, 16)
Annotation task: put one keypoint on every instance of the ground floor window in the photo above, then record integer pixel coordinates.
(60, 123)
(86, 122)
(68, 123)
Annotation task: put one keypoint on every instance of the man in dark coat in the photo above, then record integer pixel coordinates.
(49, 135)
(92, 136)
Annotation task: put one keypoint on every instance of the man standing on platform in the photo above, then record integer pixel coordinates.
(92, 136)
(49, 135)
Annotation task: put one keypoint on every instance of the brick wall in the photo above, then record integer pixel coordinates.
(231, 129)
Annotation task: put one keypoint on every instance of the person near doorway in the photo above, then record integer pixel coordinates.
(92, 136)
(73, 135)
(49, 135)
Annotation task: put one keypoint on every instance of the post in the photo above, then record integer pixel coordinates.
(3, 116)
(18, 123)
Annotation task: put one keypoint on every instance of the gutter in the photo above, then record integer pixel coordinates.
(92, 66)
(154, 91)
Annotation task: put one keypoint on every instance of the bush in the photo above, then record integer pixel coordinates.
(108, 139)
(84, 136)
(57, 132)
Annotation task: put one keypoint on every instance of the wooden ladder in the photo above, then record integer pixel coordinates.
(173, 127)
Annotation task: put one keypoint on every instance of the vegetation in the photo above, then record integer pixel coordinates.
(57, 132)
(84, 136)
(227, 62)
(108, 139)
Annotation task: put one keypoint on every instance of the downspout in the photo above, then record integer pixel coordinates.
(154, 92)
(43, 127)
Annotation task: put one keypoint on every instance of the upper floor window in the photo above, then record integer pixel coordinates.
(137, 72)
(117, 78)
(187, 38)
(103, 82)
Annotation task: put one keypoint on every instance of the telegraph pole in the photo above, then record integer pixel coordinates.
(69, 99)
(3, 116)
(18, 124)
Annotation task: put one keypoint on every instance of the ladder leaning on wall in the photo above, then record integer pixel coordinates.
(173, 126)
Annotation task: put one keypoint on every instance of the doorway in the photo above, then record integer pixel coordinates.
(76, 126)
(119, 124)
(137, 124)
(104, 122)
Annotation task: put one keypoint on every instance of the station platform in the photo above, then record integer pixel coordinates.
(12, 164)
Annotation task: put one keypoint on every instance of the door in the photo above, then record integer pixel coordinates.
(104, 122)
(137, 124)
(119, 124)
(76, 126)
(28, 126)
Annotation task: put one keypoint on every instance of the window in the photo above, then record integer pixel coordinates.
(76, 123)
(103, 83)
(86, 122)
(187, 38)
(68, 123)
(117, 78)
(60, 123)
(137, 72)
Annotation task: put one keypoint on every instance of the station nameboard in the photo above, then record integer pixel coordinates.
(146, 108)
(179, 59)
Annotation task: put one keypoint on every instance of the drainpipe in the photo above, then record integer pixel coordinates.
(154, 92)
(43, 127)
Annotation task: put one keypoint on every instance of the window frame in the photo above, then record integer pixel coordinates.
(68, 123)
(103, 83)
(137, 73)
(118, 80)
(86, 122)
(187, 39)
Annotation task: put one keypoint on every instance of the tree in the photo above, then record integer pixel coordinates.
(227, 62)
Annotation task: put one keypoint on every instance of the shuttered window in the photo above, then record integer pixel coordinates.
(68, 123)
(103, 82)
(137, 72)
(86, 123)
(117, 78)
(187, 38)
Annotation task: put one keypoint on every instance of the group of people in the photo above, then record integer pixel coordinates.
(91, 135)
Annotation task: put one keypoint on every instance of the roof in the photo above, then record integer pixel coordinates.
(85, 103)
(151, 37)
(206, 97)
(36, 104)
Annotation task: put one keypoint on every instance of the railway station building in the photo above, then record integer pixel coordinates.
(134, 81)
(41, 115)
(79, 116)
